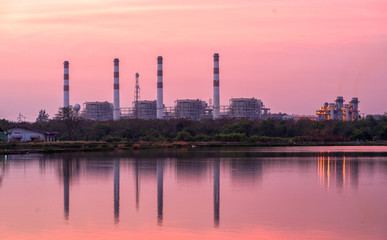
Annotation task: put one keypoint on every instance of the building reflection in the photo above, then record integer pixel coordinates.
(246, 171)
(3, 167)
(334, 172)
(160, 190)
(191, 169)
(116, 170)
(341, 171)
(216, 172)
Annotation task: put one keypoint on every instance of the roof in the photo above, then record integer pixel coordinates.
(31, 128)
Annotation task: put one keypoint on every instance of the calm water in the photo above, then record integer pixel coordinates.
(243, 193)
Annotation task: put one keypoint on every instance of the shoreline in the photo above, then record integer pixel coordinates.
(96, 146)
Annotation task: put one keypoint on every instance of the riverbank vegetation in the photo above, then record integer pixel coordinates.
(132, 131)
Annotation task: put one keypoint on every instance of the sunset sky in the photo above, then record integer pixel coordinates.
(294, 55)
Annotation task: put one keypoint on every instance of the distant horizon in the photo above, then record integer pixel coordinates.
(294, 56)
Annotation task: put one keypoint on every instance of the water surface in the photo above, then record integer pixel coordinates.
(215, 193)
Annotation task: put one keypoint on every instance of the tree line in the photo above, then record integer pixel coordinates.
(70, 127)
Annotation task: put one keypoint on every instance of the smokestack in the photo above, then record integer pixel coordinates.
(160, 104)
(66, 97)
(116, 105)
(216, 108)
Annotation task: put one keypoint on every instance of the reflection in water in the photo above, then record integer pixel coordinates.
(191, 170)
(116, 170)
(354, 171)
(66, 186)
(137, 185)
(342, 171)
(216, 169)
(3, 168)
(247, 200)
(246, 171)
(160, 189)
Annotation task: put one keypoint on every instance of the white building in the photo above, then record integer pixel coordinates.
(30, 134)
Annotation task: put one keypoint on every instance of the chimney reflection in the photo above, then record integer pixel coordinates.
(344, 172)
(137, 185)
(66, 186)
(216, 172)
(116, 169)
(160, 189)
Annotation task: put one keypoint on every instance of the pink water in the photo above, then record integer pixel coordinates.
(183, 194)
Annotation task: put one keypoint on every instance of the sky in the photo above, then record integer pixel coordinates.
(294, 55)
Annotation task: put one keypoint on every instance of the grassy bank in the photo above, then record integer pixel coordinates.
(71, 146)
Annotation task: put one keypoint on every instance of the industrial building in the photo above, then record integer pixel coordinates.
(249, 108)
(339, 110)
(98, 111)
(145, 109)
(192, 109)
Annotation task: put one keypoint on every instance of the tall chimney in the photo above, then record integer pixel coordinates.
(160, 104)
(66, 97)
(216, 107)
(116, 105)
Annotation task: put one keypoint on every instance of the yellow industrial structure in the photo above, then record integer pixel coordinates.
(339, 110)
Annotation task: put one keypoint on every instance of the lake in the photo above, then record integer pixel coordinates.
(335, 192)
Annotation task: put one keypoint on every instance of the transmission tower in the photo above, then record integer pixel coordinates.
(136, 95)
(21, 118)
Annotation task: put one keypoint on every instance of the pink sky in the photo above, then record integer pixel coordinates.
(293, 55)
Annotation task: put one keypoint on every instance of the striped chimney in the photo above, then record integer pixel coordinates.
(66, 97)
(160, 104)
(216, 106)
(116, 104)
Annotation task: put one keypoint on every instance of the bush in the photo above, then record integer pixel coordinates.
(202, 138)
(231, 137)
(184, 136)
(111, 139)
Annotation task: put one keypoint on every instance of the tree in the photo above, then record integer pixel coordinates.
(42, 116)
(68, 117)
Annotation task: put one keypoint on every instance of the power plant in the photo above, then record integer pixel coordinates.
(196, 109)
(339, 110)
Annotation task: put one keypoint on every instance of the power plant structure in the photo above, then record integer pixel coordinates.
(216, 108)
(339, 110)
(160, 103)
(116, 86)
(196, 109)
(99, 111)
(246, 108)
(66, 85)
(193, 109)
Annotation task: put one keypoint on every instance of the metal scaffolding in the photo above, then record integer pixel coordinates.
(99, 111)
(192, 109)
(245, 108)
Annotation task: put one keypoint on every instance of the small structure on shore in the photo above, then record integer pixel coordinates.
(24, 133)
